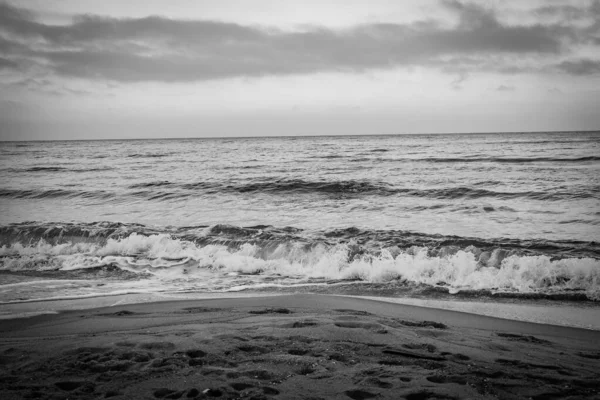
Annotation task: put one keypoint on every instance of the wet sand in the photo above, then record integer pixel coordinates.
(292, 347)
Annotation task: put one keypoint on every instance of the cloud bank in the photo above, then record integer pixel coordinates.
(168, 50)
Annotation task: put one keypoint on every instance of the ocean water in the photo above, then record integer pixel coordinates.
(478, 216)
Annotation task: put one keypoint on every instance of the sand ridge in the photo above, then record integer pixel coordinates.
(292, 347)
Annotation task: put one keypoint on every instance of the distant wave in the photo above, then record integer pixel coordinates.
(59, 169)
(300, 185)
(45, 169)
(54, 193)
(450, 160)
(149, 155)
(161, 190)
(280, 185)
(472, 193)
(507, 160)
(350, 187)
(151, 184)
(511, 159)
(259, 255)
(357, 187)
(328, 156)
(550, 140)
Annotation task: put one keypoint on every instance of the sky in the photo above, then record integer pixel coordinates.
(91, 69)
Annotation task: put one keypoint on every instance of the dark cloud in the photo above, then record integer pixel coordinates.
(6, 63)
(570, 11)
(580, 67)
(562, 11)
(161, 49)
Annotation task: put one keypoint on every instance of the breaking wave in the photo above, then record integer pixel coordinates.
(222, 257)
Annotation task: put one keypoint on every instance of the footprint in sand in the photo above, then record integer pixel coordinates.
(196, 353)
(239, 386)
(297, 352)
(164, 392)
(271, 311)
(523, 338)
(157, 345)
(352, 312)
(447, 379)
(359, 394)
(252, 349)
(357, 324)
(423, 324)
(303, 324)
(198, 310)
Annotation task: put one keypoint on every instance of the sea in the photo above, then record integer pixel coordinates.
(498, 218)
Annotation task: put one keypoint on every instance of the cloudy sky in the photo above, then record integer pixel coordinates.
(182, 68)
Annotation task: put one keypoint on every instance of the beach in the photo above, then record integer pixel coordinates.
(299, 200)
(301, 346)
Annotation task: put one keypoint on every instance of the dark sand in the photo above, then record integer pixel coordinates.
(292, 347)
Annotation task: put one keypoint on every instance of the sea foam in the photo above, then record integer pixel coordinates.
(166, 258)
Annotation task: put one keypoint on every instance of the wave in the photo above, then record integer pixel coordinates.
(302, 186)
(42, 169)
(299, 186)
(369, 240)
(507, 160)
(358, 187)
(59, 169)
(384, 189)
(549, 140)
(328, 156)
(151, 184)
(510, 159)
(54, 193)
(280, 185)
(225, 257)
(149, 155)
(265, 234)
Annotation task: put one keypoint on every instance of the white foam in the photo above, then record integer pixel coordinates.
(173, 260)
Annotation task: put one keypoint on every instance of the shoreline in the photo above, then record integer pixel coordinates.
(555, 313)
(322, 302)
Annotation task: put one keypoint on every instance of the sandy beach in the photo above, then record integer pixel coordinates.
(292, 347)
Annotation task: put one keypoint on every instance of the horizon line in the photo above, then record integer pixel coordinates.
(300, 136)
